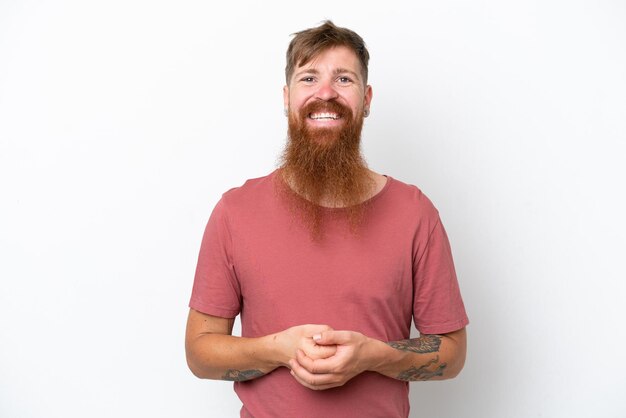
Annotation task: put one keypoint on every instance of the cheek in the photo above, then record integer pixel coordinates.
(296, 101)
(354, 99)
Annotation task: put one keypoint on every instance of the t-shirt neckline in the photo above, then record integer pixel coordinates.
(368, 201)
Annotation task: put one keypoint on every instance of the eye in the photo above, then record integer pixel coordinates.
(344, 79)
(307, 79)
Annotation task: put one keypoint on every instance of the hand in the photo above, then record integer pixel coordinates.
(300, 338)
(350, 359)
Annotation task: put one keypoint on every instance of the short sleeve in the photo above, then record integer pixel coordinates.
(216, 289)
(437, 304)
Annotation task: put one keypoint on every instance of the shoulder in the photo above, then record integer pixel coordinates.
(251, 190)
(405, 197)
(255, 196)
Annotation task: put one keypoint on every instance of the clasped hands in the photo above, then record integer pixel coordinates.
(324, 358)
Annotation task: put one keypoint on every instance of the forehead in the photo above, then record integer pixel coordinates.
(333, 58)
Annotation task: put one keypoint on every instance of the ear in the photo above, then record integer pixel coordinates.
(368, 96)
(286, 97)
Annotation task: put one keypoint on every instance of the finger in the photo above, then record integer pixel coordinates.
(332, 337)
(312, 387)
(316, 351)
(305, 361)
(316, 366)
(310, 380)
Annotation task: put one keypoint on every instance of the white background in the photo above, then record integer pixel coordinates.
(122, 122)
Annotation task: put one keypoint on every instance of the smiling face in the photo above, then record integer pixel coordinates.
(327, 90)
(322, 161)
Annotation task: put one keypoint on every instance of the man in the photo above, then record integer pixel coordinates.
(324, 240)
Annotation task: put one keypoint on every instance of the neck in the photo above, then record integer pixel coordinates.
(375, 183)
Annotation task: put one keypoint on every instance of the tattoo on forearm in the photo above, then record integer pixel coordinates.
(422, 372)
(424, 344)
(241, 375)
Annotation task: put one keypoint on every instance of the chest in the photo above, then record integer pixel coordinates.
(362, 283)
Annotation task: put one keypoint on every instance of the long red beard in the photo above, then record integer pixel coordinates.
(325, 166)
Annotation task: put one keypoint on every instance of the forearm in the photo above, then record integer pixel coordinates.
(213, 353)
(429, 357)
(225, 357)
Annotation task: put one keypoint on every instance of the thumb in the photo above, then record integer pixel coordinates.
(331, 337)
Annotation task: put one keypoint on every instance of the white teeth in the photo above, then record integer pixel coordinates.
(333, 116)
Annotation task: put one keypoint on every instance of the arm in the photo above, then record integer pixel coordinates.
(435, 357)
(428, 357)
(213, 353)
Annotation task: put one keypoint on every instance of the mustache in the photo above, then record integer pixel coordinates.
(326, 106)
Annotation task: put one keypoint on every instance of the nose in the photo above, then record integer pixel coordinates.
(326, 91)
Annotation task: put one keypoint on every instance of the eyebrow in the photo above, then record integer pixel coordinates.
(337, 71)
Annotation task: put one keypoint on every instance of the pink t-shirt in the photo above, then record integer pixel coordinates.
(257, 261)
